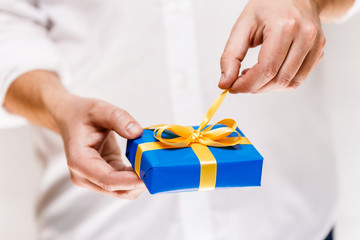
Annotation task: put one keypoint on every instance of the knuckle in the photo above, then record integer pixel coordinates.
(270, 71)
(284, 79)
(72, 159)
(230, 56)
(104, 184)
(287, 24)
(294, 84)
(322, 41)
(106, 187)
(71, 164)
(225, 55)
(75, 181)
(310, 31)
(118, 115)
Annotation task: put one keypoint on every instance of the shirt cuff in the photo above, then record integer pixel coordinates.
(354, 9)
(18, 57)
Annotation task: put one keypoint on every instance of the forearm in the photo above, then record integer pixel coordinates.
(333, 9)
(87, 128)
(36, 96)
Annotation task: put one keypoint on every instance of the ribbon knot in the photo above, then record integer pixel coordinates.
(195, 136)
(205, 135)
(176, 136)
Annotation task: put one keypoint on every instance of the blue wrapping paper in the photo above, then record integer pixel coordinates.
(174, 170)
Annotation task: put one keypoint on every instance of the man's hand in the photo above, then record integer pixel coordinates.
(87, 127)
(292, 44)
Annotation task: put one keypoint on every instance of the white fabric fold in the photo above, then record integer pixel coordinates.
(24, 46)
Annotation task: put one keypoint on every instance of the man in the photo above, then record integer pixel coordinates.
(154, 58)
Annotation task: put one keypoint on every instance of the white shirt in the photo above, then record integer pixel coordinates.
(159, 60)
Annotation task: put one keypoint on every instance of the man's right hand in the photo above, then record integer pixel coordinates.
(87, 127)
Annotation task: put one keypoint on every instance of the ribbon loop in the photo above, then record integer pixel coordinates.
(208, 136)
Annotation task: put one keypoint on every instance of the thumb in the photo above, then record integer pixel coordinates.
(230, 67)
(234, 52)
(116, 119)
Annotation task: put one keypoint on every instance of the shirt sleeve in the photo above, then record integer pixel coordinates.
(354, 9)
(24, 46)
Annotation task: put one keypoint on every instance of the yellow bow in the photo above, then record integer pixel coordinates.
(198, 140)
(204, 135)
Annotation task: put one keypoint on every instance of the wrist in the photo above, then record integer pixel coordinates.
(313, 6)
(57, 101)
(319, 5)
(32, 96)
(50, 93)
(37, 95)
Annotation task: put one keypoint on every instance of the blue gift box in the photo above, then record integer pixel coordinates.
(178, 169)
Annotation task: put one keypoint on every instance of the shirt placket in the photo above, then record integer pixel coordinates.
(186, 103)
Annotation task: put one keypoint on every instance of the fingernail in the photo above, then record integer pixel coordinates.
(133, 129)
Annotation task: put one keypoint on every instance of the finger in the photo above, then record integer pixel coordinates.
(310, 62)
(234, 52)
(112, 155)
(272, 54)
(122, 194)
(295, 58)
(91, 166)
(113, 118)
(245, 71)
(110, 150)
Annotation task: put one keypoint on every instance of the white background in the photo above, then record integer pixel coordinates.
(20, 173)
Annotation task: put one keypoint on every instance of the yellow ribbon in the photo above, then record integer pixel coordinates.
(198, 140)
